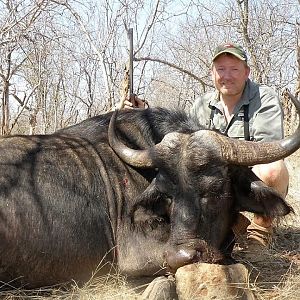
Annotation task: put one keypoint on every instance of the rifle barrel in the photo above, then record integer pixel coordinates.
(130, 36)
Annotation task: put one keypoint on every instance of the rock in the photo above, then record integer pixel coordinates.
(210, 281)
(161, 288)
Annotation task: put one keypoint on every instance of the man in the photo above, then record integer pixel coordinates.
(243, 109)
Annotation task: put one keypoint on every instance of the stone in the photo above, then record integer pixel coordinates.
(161, 288)
(211, 281)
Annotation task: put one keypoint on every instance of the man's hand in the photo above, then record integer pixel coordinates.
(136, 103)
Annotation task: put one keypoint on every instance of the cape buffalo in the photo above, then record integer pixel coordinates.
(147, 192)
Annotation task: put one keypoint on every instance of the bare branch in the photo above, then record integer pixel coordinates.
(149, 27)
(180, 69)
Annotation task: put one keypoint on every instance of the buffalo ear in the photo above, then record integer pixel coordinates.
(252, 195)
(151, 202)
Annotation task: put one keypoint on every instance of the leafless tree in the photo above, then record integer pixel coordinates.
(20, 41)
(62, 61)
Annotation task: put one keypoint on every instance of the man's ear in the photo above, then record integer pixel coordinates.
(252, 195)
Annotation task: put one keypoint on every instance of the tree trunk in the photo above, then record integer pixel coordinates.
(5, 109)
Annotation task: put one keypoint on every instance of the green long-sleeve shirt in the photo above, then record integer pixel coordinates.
(264, 111)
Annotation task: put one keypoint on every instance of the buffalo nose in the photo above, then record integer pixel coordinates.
(181, 258)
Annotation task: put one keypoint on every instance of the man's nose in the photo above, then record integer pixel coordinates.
(227, 74)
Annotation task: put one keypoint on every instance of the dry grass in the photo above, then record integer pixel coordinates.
(278, 277)
(108, 287)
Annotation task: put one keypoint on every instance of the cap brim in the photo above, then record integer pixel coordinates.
(230, 52)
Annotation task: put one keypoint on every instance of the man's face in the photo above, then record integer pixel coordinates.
(229, 74)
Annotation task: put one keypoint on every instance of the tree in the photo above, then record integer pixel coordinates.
(62, 61)
(17, 20)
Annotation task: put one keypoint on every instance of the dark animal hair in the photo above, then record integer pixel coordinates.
(154, 123)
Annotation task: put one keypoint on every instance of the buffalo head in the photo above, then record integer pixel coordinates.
(203, 180)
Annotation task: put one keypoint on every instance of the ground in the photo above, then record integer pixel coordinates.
(278, 276)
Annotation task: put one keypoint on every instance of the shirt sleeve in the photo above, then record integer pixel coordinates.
(200, 111)
(268, 121)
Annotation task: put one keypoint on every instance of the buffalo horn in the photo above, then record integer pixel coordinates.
(135, 158)
(250, 153)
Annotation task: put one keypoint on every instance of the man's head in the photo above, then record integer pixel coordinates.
(230, 70)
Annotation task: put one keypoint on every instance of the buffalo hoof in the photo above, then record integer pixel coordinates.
(161, 288)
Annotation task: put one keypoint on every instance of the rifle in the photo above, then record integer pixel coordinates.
(131, 93)
(127, 84)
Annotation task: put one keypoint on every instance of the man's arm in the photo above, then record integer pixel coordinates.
(268, 122)
(201, 111)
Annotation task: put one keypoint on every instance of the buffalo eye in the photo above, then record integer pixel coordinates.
(151, 224)
(151, 217)
(146, 216)
(154, 222)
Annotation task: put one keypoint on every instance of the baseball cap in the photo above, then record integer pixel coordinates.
(233, 49)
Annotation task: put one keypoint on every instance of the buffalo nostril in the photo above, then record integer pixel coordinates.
(181, 258)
